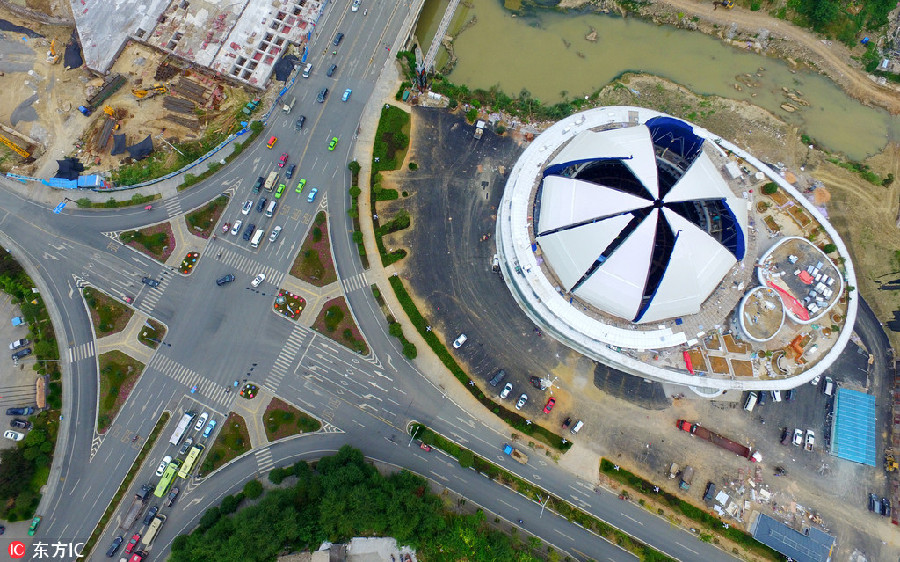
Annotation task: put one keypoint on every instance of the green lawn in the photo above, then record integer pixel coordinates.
(118, 375)
(108, 315)
(232, 441)
(202, 221)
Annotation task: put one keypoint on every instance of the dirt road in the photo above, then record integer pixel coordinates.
(832, 58)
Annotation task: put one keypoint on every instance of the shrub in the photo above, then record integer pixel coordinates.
(413, 166)
(466, 458)
(317, 234)
(253, 489)
(277, 476)
(829, 248)
(231, 503)
(471, 115)
(410, 351)
(770, 188)
(83, 202)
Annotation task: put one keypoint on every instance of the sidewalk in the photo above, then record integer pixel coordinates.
(126, 341)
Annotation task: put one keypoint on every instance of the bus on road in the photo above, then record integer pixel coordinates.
(183, 425)
(189, 461)
(166, 481)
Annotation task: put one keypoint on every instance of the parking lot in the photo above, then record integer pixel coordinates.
(17, 378)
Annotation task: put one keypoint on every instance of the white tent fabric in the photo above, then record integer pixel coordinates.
(701, 181)
(566, 201)
(573, 251)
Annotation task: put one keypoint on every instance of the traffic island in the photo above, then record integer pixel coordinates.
(283, 420)
(335, 322)
(188, 263)
(314, 263)
(289, 304)
(202, 221)
(108, 315)
(152, 333)
(157, 241)
(232, 441)
(118, 375)
(249, 391)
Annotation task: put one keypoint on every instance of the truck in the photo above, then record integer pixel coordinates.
(270, 181)
(289, 104)
(517, 455)
(134, 511)
(479, 128)
(181, 428)
(153, 530)
(687, 475)
(716, 439)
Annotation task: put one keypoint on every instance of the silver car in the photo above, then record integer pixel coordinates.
(506, 390)
(275, 232)
(521, 402)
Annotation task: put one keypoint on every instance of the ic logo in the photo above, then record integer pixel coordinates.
(16, 549)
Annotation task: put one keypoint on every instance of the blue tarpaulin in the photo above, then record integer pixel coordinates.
(854, 436)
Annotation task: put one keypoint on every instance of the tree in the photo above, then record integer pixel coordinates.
(770, 188)
(466, 458)
(829, 248)
(253, 489)
(15, 472)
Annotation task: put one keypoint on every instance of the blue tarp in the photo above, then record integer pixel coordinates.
(854, 427)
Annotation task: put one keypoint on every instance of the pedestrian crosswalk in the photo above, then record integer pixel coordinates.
(172, 206)
(264, 459)
(188, 377)
(152, 295)
(250, 266)
(354, 283)
(81, 351)
(286, 357)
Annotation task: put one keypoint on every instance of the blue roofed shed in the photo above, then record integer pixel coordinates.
(853, 433)
(813, 545)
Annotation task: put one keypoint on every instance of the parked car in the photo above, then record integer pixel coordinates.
(522, 400)
(549, 405)
(312, 195)
(762, 398)
(114, 547)
(789, 395)
(201, 421)
(34, 525)
(566, 423)
(236, 227)
(460, 340)
(20, 424)
(18, 343)
(186, 445)
(331, 70)
(498, 377)
(248, 232)
(224, 279)
(259, 279)
(710, 492)
(298, 124)
(798, 437)
(506, 390)
(785, 436)
(290, 172)
(13, 435)
(26, 411)
(776, 396)
(151, 513)
(21, 353)
(337, 39)
(163, 464)
(245, 210)
(149, 281)
(275, 232)
(538, 383)
(886, 507)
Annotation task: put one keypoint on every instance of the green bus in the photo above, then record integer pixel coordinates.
(166, 480)
(189, 461)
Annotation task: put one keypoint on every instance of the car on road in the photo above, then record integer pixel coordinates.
(259, 279)
(283, 160)
(522, 400)
(163, 464)
(20, 424)
(290, 171)
(272, 141)
(236, 227)
(460, 340)
(132, 543)
(34, 525)
(549, 405)
(497, 378)
(337, 39)
(312, 195)
(300, 184)
(347, 93)
(298, 124)
(209, 428)
(201, 421)
(149, 281)
(26, 411)
(331, 70)
(127, 299)
(248, 232)
(170, 499)
(13, 435)
(258, 184)
(323, 93)
(280, 190)
(225, 227)
(355, 6)
(261, 204)
(21, 353)
(506, 390)
(246, 208)
(114, 547)
(425, 447)
(18, 343)
(224, 279)
(151, 513)
(333, 144)
(187, 445)
(798, 437)
(275, 232)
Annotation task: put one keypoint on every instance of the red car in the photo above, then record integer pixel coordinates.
(424, 447)
(549, 406)
(283, 160)
(132, 543)
(225, 227)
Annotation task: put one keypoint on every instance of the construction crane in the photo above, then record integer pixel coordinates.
(13, 146)
(149, 92)
(52, 55)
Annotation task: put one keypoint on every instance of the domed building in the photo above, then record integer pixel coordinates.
(631, 236)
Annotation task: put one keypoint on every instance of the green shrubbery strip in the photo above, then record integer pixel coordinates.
(353, 211)
(136, 199)
(391, 143)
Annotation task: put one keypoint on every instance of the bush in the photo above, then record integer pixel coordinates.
(829, 248)
(770, 188)
(410, 351)
(231, 503)
(466, 458)
(413, 166)
(253, 489)
(317, 234)
(84, 202)
(277, 475)
(472, 115)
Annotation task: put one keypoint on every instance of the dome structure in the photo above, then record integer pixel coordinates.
(638, 221)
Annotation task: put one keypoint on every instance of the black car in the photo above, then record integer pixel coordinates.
(248, 233)
(873, 500)
(149, 281)
(21, 353)
(789, 395)
(261, 205)
(331, 70)
(26, 411)
(710, 492)
(322, 95)
(258, 184)
(538, 383)
(21, 424)
(223, 280)
(299, 123)
(498, 377)
(151, 513)
(170, 499)
(886, 507)
(290, 171)
(114, 547)
(337, 39)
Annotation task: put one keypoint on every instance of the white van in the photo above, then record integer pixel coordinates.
(307, 70)
(257, 237)
(776, 395)
(577, 427)
(270, 210)
(751, 401)
(829, 386)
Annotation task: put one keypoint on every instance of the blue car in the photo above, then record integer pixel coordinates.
(312, 194)
(209, 428)
(346, 95)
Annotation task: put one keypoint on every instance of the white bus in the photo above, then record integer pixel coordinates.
(155, 525)
(182, 428)
(257, 237)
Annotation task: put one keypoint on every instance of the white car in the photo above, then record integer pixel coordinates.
(798, 437)
(459, 341)
(163, 464)
(355, 6)
(201, 421)
(237, 227)
(246, 208)
(521, 402)
(275, 232)
(259, 279)
(13, 435)
(815, 380)
(18, 343)
(506, 390)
